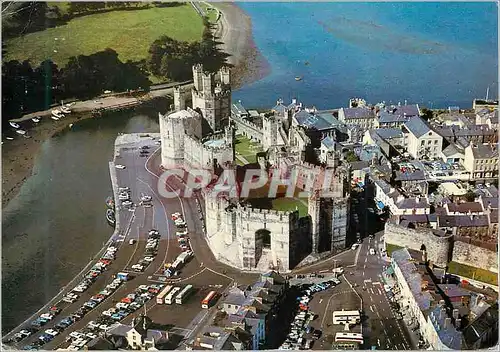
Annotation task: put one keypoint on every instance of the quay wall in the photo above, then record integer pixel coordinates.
(65, 289)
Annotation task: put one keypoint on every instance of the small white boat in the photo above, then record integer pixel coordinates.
(70, 125)
(13, 124)
(54, 117)
(9, 138)
(57, 113)
(35, 119)
(21, 132)
(65, 110)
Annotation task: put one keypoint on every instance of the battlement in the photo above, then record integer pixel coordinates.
(208, 148)
(248, 124)
(271, 212)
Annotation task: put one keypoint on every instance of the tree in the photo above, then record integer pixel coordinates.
(350, 156)
(427, 114)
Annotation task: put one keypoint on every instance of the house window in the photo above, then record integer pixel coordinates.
(436, 141)
(422, 143)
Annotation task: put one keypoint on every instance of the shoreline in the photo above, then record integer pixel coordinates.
(234, 29)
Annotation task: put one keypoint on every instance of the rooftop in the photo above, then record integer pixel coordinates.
(417, 126)
(317, 121)
(462, 221)
(358, 112)
(238, 109)
(484, 151)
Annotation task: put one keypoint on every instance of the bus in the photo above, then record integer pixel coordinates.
(160, 299)
(184, 294)
(343, 317)
(348, 337)
(170, 298)
(208, 300)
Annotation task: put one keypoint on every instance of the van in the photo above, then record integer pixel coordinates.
(131, 241)
(372, 251)
(355, 246)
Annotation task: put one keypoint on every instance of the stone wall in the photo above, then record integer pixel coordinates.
(438, 247)
(235, 235)
(248, 129)
(469, 254)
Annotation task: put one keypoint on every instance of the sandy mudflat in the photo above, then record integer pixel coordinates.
(235, 31)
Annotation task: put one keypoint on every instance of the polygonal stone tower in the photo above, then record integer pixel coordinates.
(212, 96)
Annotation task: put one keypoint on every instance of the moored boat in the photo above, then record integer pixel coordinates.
(13, 124)
(110, 202)
(21, 132)
(35, 119)
(110, 217)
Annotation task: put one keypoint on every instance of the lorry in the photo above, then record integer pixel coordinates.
(123, 276)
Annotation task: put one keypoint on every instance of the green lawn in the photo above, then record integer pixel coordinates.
(391, 248)
(289, 204)
(473, 273)
(129, 33)
(247, 149)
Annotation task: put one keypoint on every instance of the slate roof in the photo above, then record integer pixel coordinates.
(312, 120)
(120, 329)
(385, 118)
(414, 279)
(484, 151)
(449, 336)
(462, 221)
(453, 290)
(358, 112)
(418, 127)
(236, 296)
(412, 203)
(473, 130)
(359, 165)
(464, 208)
(328, 142)
(486, 322)
(410, 176)
(238, 109)
(280, 108)
(452, 149)
(389, 133)
(490, 201)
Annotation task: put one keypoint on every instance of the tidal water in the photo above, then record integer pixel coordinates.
(57, 223)
(433, 54)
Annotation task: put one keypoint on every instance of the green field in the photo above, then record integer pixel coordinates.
(473, 273)
(247, 148)
(129, 33)
(391, 248)
(289, 204)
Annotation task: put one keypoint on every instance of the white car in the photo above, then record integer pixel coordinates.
(138, 267)
(372, 251)
(91, 335)
(120, 166)
(121, 305)
(126, 203)
(104, 327)
(149, 259)
(51, 332)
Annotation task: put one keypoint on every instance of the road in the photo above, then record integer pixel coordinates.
(141, 175)
(381, 328)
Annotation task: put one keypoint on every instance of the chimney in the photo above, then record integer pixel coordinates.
(441, 303)
(455, 313)
(475, 300)
(447, 323)
(294, 101)
(458, 323)
(442, 313)
(417, 199)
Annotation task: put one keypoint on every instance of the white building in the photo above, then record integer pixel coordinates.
(398, 204)
(422, 141)
(481, 160)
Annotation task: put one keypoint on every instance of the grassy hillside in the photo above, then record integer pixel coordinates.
(129, 33)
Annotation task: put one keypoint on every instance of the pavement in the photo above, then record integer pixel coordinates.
(362, 285)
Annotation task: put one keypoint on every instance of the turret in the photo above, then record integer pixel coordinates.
(225, 75)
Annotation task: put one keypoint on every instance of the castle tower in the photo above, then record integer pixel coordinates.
(270, 132)
(225, 75)
(179, 99)
(211, 97)
(197, 77)
(229, 134)
(172, 140)
(314, 211)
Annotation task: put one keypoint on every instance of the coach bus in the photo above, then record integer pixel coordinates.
(160, 299)
(342, 317)
(209, 300)
(348, 337)
(184, 294)
(170, 298)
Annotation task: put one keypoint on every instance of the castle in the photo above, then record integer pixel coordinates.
(238, 234)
